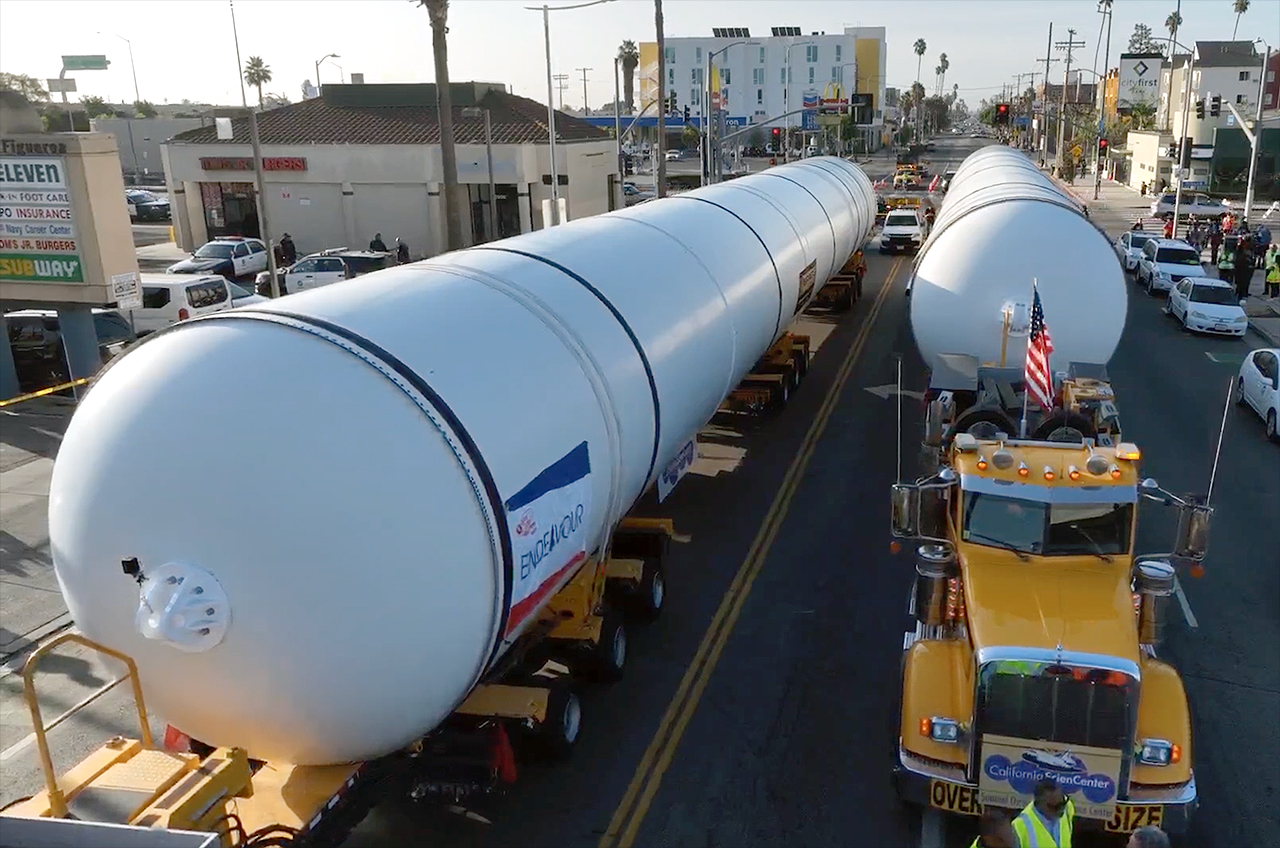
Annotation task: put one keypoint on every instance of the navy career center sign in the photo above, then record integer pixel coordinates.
(245, 163)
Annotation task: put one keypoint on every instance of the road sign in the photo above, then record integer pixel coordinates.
(126, 290)
(59, 85)
(85, 63)
(1077, 151)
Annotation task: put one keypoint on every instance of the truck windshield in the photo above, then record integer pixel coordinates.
(1047, 529)
(1055, 703)
(901, 221)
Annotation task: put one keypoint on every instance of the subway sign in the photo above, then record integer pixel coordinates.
(245, 163)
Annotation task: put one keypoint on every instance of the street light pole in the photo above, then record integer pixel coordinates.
(1105, 8)
(786, 99)
(1184, 151)
(1257, 133)
(244, 99)
(320, 62)
(617, 123)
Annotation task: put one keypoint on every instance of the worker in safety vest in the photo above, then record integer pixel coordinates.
(995, 831)
(1227, 263)
(1046, 822)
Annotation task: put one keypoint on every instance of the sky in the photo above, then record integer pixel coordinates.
(184, 49)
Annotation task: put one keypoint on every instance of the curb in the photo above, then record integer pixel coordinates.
(15, 657)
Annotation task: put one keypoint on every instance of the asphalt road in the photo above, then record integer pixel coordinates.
(785, 739)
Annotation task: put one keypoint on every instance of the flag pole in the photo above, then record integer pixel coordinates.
(1026, 389)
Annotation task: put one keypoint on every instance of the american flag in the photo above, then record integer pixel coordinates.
(1037, 375)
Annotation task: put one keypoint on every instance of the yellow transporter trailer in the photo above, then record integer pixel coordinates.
(1035, 626)
(136, 792)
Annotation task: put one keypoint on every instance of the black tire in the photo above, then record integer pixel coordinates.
(1238, 394)
(845, 303)
(800, 357)
(1151, 286)
(559, 732)
(978, 415)
(1272, 433)
(609, 655)
(1061, 419)
(648, 600)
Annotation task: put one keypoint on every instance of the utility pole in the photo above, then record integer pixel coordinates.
(660, 162)
(1067, 45)
(1105, 6)
(1044, 106)
(561, 85)
(583, 71)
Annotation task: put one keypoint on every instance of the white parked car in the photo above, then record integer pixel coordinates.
(1258, 386)
(1207, 305)
(1129, 245)
(1162, 263)
(170, 298)
(1197, 205)
(328, 266)
(904, 229)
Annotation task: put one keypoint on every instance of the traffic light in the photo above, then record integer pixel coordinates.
(1102, 148)
(1175, 151)
(1200, 109)
(776, 134)
(1185, 150)
(686, 113)
(1215, 106)
(1002, 113)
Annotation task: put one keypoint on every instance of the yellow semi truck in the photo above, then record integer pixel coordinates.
(1036, 625)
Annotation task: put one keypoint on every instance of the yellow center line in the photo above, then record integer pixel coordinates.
(627, 818)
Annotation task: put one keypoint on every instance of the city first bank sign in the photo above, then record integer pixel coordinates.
(38, 238)
(1139, 83)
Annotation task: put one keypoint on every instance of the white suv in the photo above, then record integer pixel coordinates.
(904, 229)
(1164, 262)
(170, 298)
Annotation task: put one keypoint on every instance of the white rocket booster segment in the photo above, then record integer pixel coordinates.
(348, 503)
(1003, 224)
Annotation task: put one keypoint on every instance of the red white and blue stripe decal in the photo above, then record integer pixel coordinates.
(548, 521)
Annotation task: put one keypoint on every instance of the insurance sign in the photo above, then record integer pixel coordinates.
(38, 238)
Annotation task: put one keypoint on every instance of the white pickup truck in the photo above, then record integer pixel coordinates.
(904, 229)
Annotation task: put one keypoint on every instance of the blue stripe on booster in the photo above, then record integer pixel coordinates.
(573, 466)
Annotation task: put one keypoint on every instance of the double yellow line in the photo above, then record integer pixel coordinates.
(626, 821)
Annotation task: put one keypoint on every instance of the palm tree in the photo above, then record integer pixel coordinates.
(257, 74)
(1239, 7)
(945, 64)
(937, 80)
(920, 47)
(438, 11)
(1172, 23)
(629, 57)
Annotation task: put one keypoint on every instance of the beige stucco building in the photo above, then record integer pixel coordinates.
(365, 159)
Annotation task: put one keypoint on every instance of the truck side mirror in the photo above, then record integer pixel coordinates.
(905, 510)
(1193, 532)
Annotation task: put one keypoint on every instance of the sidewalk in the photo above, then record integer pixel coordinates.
(30, 435)
(1121, 200)
(157, 257)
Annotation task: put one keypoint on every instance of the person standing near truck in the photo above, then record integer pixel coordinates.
(995, 831)
(1046, 822)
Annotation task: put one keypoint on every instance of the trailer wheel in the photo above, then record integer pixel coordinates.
(558, 734)
(646, 603)
(800, 357)
(609, 655)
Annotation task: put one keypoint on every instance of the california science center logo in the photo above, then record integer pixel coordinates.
(527, 526)
(1071, 773)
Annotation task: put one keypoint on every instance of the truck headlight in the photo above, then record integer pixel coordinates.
(1158, 752)
(941, 729)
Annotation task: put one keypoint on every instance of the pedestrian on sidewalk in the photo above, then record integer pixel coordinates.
(1244, 267)
(1168, 227)
(1215, 240)
(1272, 263)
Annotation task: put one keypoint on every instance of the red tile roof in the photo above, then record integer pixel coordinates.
(320, 120)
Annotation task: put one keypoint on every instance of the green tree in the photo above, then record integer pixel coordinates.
(1143, 116)
(755, 138)
(28, 87)
(689, 136)
(1239, 7)
(97, 107)
(1172, 23)
(1144, 41)
(144, 109)
(257, 74)
(944, 65)
(438, 12)
(629, 59)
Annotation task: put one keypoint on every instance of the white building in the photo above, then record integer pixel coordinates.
(767, 76)
(365, 159)
(1226, 69)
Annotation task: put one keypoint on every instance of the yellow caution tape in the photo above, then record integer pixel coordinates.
(49, 391)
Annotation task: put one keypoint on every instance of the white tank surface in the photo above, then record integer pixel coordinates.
(1002, 225)
(347, 503)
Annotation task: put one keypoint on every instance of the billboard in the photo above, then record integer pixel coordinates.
(38, 238)
(1139, 80)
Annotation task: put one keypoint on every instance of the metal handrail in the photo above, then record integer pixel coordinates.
(57, 799)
